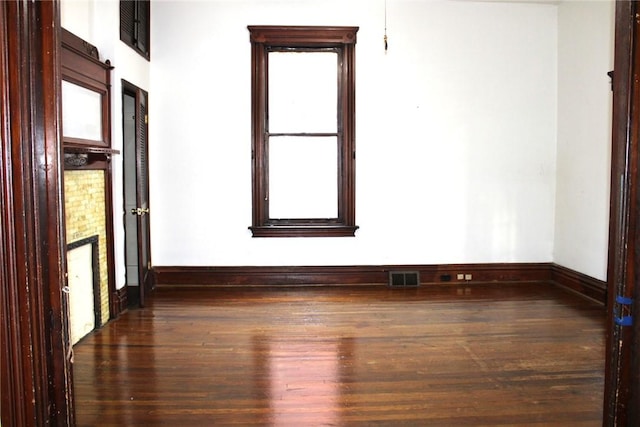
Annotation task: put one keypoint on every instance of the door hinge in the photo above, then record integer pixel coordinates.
(622, 311)
(148, 265)
(146, 119)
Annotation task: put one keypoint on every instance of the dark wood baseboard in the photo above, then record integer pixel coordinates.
(348, 275)
(581, 283)
(379, 275)
(119, 302)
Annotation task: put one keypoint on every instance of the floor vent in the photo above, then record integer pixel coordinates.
(403, 279)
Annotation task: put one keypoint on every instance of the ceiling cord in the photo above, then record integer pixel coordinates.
(386, 43)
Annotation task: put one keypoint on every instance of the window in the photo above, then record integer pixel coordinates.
(134, 25)
(303, 131)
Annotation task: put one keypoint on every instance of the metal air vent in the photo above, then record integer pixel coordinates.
(404, 279)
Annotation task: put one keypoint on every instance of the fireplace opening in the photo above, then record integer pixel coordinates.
(84, 287)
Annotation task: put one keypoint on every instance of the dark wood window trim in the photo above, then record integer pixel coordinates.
(298, 38)
(135, 25)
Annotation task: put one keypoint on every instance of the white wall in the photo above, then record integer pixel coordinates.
(98, 22)
(585, 46)
(456, 133)
(459, 129)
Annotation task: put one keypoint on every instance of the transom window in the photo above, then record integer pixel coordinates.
(303, 131)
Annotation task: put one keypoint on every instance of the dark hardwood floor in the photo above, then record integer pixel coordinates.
(508, 354)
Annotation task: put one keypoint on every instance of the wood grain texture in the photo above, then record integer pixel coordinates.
(512, 354)
(345, 275)
(119, 301)
(581, 283)
(35, 381)
(368, 275)
(622, 376)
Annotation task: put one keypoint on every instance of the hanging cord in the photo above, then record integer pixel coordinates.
(386, 44)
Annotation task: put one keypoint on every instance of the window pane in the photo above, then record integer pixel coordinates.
(303, 92)
(81, 112)
(303, 177)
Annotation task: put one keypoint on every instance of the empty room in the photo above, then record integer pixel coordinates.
(305, 213)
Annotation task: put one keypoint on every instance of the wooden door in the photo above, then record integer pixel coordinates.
(142, 197)
(136, 194)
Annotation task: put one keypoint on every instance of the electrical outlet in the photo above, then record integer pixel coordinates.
(460, 276)
(468, 277)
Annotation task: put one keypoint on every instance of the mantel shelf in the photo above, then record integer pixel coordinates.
(82, 157)
(89, 150)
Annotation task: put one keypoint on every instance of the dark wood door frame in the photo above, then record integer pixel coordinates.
(621, 404)
(36, 383)
(141, 173)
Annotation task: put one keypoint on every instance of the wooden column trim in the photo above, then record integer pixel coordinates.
(36, 372)
(623, 261)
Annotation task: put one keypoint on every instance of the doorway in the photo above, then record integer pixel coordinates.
(136, 194)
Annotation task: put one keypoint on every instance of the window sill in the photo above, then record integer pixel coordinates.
(304, 231)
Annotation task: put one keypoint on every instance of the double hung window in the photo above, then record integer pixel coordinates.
(303, 131)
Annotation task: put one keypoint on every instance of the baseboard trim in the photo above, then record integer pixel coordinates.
(118, 302)
(578, 282)
(348, 275)
(250, 276)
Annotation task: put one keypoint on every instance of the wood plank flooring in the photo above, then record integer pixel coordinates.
(508, 354)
